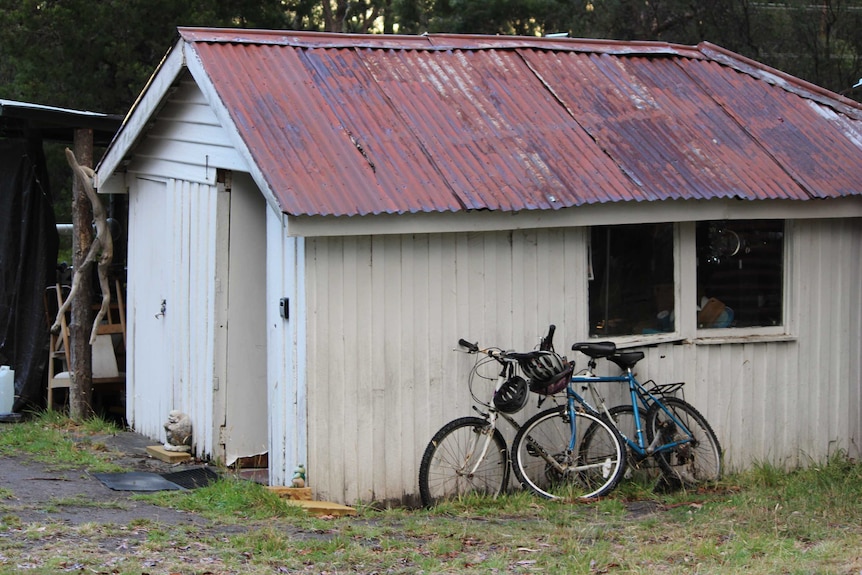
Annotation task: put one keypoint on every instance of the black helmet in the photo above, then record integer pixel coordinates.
(548, 372)
(512, 395)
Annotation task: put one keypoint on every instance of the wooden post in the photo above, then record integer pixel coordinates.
(81, 386)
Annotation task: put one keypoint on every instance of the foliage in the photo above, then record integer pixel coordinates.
(98, 55)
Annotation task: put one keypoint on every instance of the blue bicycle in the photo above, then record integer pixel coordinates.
(655, 423)
(470, 455)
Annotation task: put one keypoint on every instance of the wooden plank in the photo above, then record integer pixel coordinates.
(301, 496)
(324, 508)
(162, 454)
(292, 493)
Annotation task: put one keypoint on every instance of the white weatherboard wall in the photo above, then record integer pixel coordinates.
(179, 245)
(286, 360)
(385, 313)
(171, 303)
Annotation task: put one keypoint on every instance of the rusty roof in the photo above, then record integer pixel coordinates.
(371, 124)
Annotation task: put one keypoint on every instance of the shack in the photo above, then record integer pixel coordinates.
(316, 219)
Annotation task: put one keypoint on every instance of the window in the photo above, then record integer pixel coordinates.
(631, 279)
(734, 273)
(740, 273)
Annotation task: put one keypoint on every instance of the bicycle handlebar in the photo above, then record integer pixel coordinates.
(471, 347)
(547, 343)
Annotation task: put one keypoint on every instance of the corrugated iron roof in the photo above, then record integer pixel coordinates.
(370, 124)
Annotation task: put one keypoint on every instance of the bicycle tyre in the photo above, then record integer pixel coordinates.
(691, 464)
(641, 469)
(545, 437)
(451, 450)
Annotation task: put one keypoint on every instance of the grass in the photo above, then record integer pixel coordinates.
(228, 500)
(763, 521)
(56, 440)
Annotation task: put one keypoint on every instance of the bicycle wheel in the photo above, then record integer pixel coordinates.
(691, 463)
(640, 469)
(453, 464)
(544, 464)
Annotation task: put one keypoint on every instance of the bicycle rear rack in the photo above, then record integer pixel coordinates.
(664, 389)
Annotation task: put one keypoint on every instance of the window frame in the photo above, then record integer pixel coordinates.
(685, 290)
(784, 332)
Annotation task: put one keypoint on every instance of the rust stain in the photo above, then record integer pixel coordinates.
(369, 124)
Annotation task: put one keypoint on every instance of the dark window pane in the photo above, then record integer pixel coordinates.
(631, 279)
(740, 265)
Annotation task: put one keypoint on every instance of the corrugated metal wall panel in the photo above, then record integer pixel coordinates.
(385, 314)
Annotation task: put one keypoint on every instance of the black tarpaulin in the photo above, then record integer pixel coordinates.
(28, 260)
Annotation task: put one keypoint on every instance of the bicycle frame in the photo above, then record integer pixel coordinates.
(507, 368)
(639, 396)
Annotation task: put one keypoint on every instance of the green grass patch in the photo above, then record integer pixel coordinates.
(227, 499)
(764, 521)
(56, 440)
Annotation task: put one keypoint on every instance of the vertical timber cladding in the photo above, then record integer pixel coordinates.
(384, 316)
(385, 313)
(171, 305)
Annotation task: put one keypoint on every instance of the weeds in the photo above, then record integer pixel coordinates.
(56, 440)
(228, 500)
(766, 520)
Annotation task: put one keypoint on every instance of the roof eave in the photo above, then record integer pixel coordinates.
(150, 99)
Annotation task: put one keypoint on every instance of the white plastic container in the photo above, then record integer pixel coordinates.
(7, 389)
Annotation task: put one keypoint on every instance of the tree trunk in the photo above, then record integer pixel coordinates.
(81, 386)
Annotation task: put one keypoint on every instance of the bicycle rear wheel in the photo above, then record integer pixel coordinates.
(690, 463)
(453, 464)
(544, 464)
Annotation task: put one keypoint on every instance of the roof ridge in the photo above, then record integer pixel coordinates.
(776, 77)
(433, 41)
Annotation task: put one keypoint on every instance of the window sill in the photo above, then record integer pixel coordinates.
(704, 337)
(645, 340)
(751, 335)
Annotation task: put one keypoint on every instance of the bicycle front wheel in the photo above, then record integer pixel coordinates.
(544, 463)
(696, 458)
(466, 456)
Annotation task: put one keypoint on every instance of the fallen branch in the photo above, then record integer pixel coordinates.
(101, 250)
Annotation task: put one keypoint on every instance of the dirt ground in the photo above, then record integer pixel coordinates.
(36, 488)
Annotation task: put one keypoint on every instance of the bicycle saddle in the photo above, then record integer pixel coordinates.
(596, 349)
(626, 359)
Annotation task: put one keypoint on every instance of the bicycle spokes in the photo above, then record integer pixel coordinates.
(545, 463)
(689, 452)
